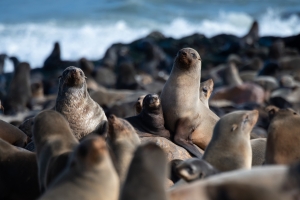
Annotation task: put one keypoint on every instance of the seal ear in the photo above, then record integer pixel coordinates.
(234, 127)
(272, 110)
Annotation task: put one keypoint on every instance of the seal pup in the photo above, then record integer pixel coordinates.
(75, 104)
(122, 140)
(269, 182)
(230, 148)
(18, 173)
(90, 174)
(283, 136)
(147, 175)
(150, 122)
(185, 115)
(54, 141)
(194, 168)
(13, 135)
(206, 89)
(19, 94)
(258, 151)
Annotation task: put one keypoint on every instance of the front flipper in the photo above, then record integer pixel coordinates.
(182, 135)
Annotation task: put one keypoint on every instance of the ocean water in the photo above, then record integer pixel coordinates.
(87, 28)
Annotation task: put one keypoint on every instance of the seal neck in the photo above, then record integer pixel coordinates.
(193, 73)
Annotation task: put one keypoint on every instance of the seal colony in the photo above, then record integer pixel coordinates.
(208, 120)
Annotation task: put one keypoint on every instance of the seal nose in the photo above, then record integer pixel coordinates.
(182, 53)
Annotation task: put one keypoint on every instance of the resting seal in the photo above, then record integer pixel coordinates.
(75, 104)
(13, 135)
(283, 136)
(89, 175)
(54, 141)
(147, 175)
(150, 122)
(230, 148)
(184, 113)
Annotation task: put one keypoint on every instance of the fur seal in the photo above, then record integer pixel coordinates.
(271, 182)
(147, 175)
(139, 104)
(54, 141)
(54, 61)
(90, 174)
(150, 122)
(122, 140)
(19, 94)
(75, 104)
(18, 173)
(13, 135)
(195, 168)
(206, 89)
(258, 151)
(185, 115)
(230, 147)
(283, 136)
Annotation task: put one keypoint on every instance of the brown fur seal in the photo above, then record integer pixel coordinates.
(139, 104)
(75, 104)
(195, 168)
(13, 135)
(19, 94)
(147, 175)
(258, 151)
(122, 140)
(206, 89)
(54, 141)
(283, 136)
(89, 175)
(185, 116)
(230, 148)
(272, 182)
(18, 173)
(151, 120)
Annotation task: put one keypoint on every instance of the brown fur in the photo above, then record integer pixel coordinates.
(185, 115)
(19, 94)
(13, 135)
(272, 182)
(122, 140)
(75, 104)
(229, 148)
(147, 175)
(18, 173)
(89, 175)
(139, 104)
(54, 141)
(258, 151)
(150, 122)
(283, 136)
(206, 89)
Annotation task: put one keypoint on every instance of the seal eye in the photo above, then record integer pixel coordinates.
(194, 56)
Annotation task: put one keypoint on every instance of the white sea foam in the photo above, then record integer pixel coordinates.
(32, 42)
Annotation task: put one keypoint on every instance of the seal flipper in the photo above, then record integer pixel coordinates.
(182, 137)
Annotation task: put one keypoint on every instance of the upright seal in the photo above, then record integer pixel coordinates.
(184, 113)
(75, 104)
(150, 122)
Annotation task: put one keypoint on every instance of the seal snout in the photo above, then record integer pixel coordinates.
(151, 101)
(73, 76)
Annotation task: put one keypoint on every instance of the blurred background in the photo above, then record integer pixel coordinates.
(28, 29)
